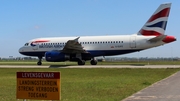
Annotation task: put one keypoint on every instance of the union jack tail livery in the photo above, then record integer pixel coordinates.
(156, 25)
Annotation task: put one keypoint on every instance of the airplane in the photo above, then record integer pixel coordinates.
(81, 49)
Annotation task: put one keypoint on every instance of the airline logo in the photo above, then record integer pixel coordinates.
(156, 25)
(34, 43)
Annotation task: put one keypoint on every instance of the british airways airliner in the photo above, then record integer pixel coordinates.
(81, 49)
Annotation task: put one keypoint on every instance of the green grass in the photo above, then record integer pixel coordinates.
(35, 63)
(91, 84)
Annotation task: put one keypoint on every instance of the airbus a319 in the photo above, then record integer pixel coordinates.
(83, 48)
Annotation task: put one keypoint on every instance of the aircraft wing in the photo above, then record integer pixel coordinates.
(158, 38)
(73, 46)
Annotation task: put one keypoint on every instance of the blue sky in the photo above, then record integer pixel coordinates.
(23, 20)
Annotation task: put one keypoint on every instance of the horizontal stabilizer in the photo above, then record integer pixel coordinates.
(158, 38)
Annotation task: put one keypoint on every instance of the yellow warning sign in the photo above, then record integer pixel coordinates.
(38, 85)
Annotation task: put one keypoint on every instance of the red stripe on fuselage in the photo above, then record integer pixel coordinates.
(39, 41)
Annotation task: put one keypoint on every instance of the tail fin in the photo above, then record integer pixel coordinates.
(156, 25)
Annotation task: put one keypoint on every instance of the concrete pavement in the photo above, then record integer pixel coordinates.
(165, 90)
(91, 66)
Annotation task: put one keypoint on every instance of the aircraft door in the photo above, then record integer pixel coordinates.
(133, 42)
(35, 46)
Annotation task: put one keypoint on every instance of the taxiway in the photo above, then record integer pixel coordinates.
(91, 66)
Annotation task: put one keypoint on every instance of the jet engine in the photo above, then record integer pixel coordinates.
(56, 56)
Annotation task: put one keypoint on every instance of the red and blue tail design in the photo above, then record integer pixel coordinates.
(156, 25)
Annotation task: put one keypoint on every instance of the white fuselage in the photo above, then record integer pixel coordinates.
(105, 45)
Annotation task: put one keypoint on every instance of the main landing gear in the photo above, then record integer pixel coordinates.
(39, 61)
(93, 62)
(82, 62)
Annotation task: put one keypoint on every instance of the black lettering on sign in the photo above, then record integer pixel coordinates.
(38, 82)
(25, 88)
(37, 95)
(47, 89)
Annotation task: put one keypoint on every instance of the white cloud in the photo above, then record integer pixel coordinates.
(37, 27)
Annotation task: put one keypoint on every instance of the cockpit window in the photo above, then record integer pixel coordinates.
(26, 44)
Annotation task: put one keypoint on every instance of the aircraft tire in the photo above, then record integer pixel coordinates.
(81, 62)
(93, 62)
(39, 63)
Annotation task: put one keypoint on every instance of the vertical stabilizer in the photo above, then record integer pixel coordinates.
(156, 25)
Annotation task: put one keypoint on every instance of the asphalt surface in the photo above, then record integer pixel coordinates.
(91, 66)
(164, 90)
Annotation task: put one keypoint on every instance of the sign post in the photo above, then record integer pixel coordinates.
(38, 85)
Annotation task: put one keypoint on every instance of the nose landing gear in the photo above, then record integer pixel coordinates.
(40, 61)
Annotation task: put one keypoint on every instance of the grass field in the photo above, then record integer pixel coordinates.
(91, 84)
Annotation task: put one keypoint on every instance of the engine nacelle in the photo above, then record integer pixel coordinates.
(56, 56)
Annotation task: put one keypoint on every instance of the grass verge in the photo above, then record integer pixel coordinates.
(91, 84)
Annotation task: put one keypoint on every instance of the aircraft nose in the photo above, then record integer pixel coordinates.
(21, 50)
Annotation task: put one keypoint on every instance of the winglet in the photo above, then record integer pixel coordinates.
(76, 39)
